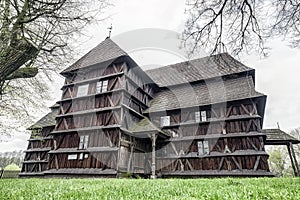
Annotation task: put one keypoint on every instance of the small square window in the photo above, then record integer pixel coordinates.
(197, 116)
(203, 147)
(165, 121)
(203, 116)
(82, 90)
(98, 86)
(101, 86)
(104, 86)
(83, 143)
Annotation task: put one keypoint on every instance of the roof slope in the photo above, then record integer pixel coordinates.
(204, 93)
(47, 120)
(277, 135)
(198, 69)
(106, 50)
(145, 125)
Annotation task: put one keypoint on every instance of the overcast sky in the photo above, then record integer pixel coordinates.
(276, 76)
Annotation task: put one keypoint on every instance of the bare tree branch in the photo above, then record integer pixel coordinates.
(241, 25)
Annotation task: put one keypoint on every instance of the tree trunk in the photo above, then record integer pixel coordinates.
(13, 58)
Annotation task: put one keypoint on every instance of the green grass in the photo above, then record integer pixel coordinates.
(226, 188)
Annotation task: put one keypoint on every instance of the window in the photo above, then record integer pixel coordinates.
(197, 116)
(101, 86)
(200, 116)
(203, 116)
(84, 141)
(203, 147)
(165, 121)
(82, 90)
(72, 157)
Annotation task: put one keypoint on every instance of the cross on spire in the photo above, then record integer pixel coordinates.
(109, 28)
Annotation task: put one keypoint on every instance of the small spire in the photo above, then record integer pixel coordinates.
(109, 28)
(278, 125)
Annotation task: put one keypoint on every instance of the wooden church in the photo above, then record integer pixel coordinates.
(191, 119)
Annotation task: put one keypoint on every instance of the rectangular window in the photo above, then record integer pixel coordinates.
(81, 156)
(72, 157)
(203, 116)
(98, 86)
(82, 90)
(203, 147)
(165, 121)
(83, 142)
(197, 116)
(101, 86)
(86, 142)
(104, 86)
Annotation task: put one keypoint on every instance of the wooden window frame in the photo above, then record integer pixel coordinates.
(203, 115)
(197, 116)
(165, 121)
(102, 86)
(83, 142)
(203, 147)
(82, 90)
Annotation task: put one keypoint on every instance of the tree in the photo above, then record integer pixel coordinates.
(37, 35)
(238, 25)
(278, 163)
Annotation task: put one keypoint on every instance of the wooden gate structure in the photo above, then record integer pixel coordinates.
(196, 118)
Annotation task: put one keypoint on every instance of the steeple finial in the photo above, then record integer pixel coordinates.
(110, 29)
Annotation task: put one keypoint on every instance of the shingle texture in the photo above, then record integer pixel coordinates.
(47, 120)
(204, 93)
(145, 125)
(198, 69)
(279, 135)
(105, 51)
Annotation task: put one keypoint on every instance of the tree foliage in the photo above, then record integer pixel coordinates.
(37, 35)
(240, 25)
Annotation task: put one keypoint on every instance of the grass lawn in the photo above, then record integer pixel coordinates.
(226, 188)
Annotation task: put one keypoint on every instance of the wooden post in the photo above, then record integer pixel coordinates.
(295, 160)
(1, 173)
(291, 157)
(153, 165)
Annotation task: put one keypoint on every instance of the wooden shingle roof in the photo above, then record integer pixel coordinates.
(103, 52)
(277, 136)
(198, 69)
(204, 93)
(144, 125)
(47, 120)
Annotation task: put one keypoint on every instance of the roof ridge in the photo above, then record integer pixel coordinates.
(196, 59)
(204, 68)
(104, 51)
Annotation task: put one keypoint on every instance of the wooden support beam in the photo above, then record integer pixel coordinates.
(153, 165)
(245, 109)
(174, 148)
(236, 163)
(129, 164)
(295, 160)
(251, 143)
(221, 163)
(119, 151)
(228, 111)
(256, 163)
(56, 161)
(254, 110)
(292, 159)
(189, 164)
